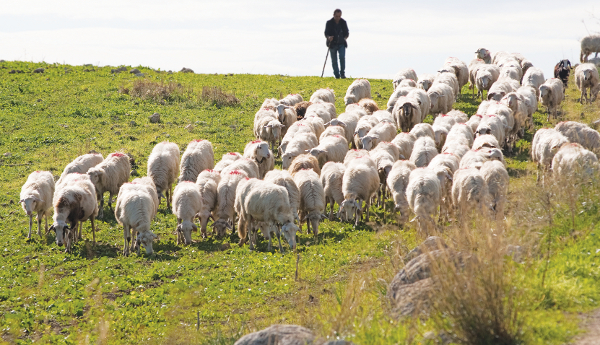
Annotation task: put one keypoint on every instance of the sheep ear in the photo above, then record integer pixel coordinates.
(268, 126)
(342, 124)
(401, 156)
(178, 228)
(281, 126)
(20, 201)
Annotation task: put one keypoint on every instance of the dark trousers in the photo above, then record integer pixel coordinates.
(334, 50)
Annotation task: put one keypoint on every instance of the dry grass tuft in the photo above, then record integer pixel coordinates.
(217, 97)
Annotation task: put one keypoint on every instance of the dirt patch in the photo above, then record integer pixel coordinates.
(591, 324)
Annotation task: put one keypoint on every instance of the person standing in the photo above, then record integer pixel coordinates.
(336, 31)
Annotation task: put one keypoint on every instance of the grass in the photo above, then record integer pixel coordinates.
(96, 295)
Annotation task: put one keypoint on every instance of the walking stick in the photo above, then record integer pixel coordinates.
(325, 63)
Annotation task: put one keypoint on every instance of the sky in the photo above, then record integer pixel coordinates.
(285, 37)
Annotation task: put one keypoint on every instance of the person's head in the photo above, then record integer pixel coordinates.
(337, 15)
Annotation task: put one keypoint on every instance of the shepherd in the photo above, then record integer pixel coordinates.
(336, 31)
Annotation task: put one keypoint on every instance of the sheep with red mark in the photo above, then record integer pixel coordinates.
(383, 131)
(258, 151)
(81, 164)
(224, 213)
(332, 175)
(323, 95)
(551, 96)
(226, 160)
(187, 204)
(406, 73)
(207, 182)
(198, 156)
(312, 199)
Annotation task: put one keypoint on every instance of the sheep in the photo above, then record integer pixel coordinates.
(296, 129)
(551, 95)
(562, 70)
(406, 73)
(444, 120)
(331, 130)
(323, 95)
(320, 109)
(108, 176)
(134, 211)
(348, 120)
(383, 131)
(224, 213)
(187, 204)
(520, 112)
(407, 113)
(270, 103)
(259, 152)
(383, 115)
(499, 89)
(496, 177)
(405, 143)
(505, 114)
(423, 152)
(423, 100)
(198, 156)
(442, 98)
(500, 55)
(359, 89)
(440, 133)
(360, 183)
(385, 154)
(247, 165)
(330, 149)
(263, 202)
(284, 179)
(474, 121)
(332, 175)
(163, 168)
(484, 54)
(300, 109)
(267, 127)
(304, 161)
(445, 165)
(511, 72)
(358, 154)
(146, 182)
(363, 126)
(531, 99)
(399, 92)
(36, 197)
(460, 133)
(207, 182)
(544, 145)
(525, 66)
(476, 158)
(458, 116)
(586, 76)
(589, 44)
(369, 105)
(396, 182)
(457, 149)
(486, 76)
(407, 83)
(81, 164)
(470, 193)
(460, 70)
(423, 193)
(577, 132)
(423, 130)
(513, 65)
(297, 146)
(291, 99)
(572, 161)
(425, 81)
(356, 109)
(226, 160)
(317, 124)
(534, 77)
(449, 78)
(287, 116)
(485, 140)
(474, 66)
(491, 124)
(312, 199)
(75, 201)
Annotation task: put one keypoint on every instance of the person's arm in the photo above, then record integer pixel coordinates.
(346, 32)
(328, 32)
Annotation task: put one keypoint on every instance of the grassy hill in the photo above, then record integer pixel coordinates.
(95, 294)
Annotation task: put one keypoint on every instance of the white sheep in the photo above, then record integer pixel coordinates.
(460, 69)
(187, 204)
(511, 72)
(499, 89)
(589, 44)
(320, 110)
(485, 140)
(360, 183)
(108, 176)
(423, 98)
(364, 125)
(259, 152)
(459, 134)
(312, 199)
(459, 116)
(287, 116)
(332, 175)
(297, 146)
(317, 123)
(163, 168)
(247, 165)
(586, 77)
(520, 113)
(423, 130)
(424, 194)
(146, 182)
(207, 182)
(396, 182)
(484, 54)
(385, 154)
(383, 115)
(224, 213)
(383, 131)
(573, 162)
(198, 156)
(486, 76)
(267, 127)
(442, 98)
(81, 164)
(330, 149)
(531, 99)
(304, 161)
(425, 81)
(449, 78)
(297, 128)
(476, 158)
(551, 95)
(357, 109)
(331, 130)
(474, 66)
(135, 210)
(534, 77)
(439, 134)
(457, 149)
(399, 92)
(491, 124)
(36, 197)
(496, 177)
(323, 95)
(405, 143)
(226, 160)
(284, 179)
(423, 152)
(74, 202)
(291, 99)
(359, 89)
(348, 120)
(470, 193)
(580, 133)
(406, 73)
(358, 154)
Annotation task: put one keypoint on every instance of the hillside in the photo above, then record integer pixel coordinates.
(96, 295)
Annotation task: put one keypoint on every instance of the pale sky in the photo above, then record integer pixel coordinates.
(285, 37)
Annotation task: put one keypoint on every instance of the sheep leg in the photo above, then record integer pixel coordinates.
(133, 238)
(101, 206)
(110, 200)
(270, 247)
(279, 239)
(126, 239)
(46, 219)
(368, 206)
(307, 225)
(330, 201)
(30, 224)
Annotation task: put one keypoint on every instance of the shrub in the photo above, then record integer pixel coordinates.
(217, 97)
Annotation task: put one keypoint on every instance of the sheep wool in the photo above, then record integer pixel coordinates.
(331, 178)
(163, 168)
(198, 156)
(108, 176)
(134, 212)
(359, 89)
(36, 197)
(207, 182)
(187, 203)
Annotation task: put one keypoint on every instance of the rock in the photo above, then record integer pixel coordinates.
(7, 154)
(189, 127)
(279, 335)
(135, 71)
(132, 162)
(154, 118)
(412, 299)
(516, 252)
(132, 123)
(117, 133)
(338, 342)
(139, 74)
(430, 244)
(442, 338)
(186, 70)
(119, 70)
(225, 246)
(134, 172)
(38, 70)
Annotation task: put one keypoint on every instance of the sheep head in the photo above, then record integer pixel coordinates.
(349, 100)
(286, 160)
(186, 227)
(368, 142)
(594, 93)
(98, 178)
(289, 231)
(316, 152)
(29, 203)
(61, 229)
(350, 208)
(274, 129)
(281, 111)
(145, 238)
(424, 84)
(336, 122)
(261, 152)
(220, 227)
(545, 92)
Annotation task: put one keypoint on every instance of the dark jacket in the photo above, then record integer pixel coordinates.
(339, 32)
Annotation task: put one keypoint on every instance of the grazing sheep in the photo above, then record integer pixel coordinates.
(385, 154)
(332, 130)
(36, 197)
(284, 179)
(577, 132)
(551, 95)
(424, 193)
(496, 177)
(405, 143)
(399, 92)
(207, 182)
(586, 77)
(499, 89)
(297, 146)
(323, 95)
(187, 204)
(332, 175)
(300, 109)
(406, 73)
(358, 154)
(534, 77)
(75, 201)
(304, 161)
(460, 133)
(423, 152)
(81, 165)
(383, 131)
(135, 210)
(485, 140)
(423, 130)
(296, 129)
(469, 193)
(363, 126)
(520, 115)
(359, 89)
(317, 124)
(423, 99)
(425, 81)
(109, 175)
(267, 127)
(396, 182)
(507, 120)
(147, 183)
(163, 168)
(491, 124)
(484, 54)
(442, 98)
(474, 121)
(531, 99)
(349, 121)
(247, 165)
(460, 70)
(224, 214)
(589, 44)
(360, 183)
(291, 99)
(330, 149)
(486, 76)
(562, 70)
(369, 105)
(259, 152)
(574, 162)
(312, 199)
(226, 160)
(476, 158)
(198, 156)
(266, 203)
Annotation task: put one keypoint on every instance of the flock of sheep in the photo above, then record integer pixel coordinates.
(448, 169)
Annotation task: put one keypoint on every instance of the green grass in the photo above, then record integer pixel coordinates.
(96, 294)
